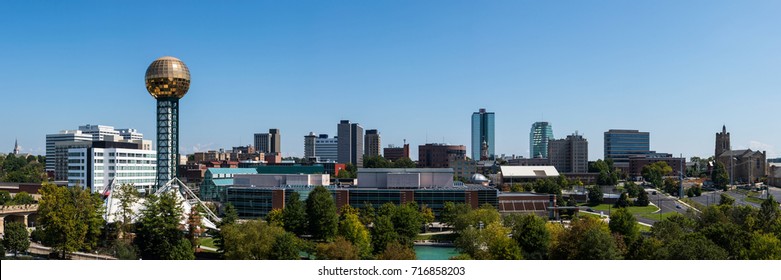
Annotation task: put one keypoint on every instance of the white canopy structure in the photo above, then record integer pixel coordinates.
(184, 195)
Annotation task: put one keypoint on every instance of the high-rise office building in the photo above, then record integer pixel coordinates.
(63, 136)
(482, 133)
(309, 145)
(90, 133)
(621, 144)
(270, 142)
(371, 143)
(350, 143)
(569, 155)
(275, 140)
(540, 134)
(326, 149)
(262, 142)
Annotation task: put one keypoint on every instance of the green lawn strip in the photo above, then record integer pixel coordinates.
(754, 200)
(632, 209)
(208, 242)
(695, 204)
(644, 228)
(655, 216)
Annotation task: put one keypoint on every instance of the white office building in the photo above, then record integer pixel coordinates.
(94, 168)
(87, 133)
(63, 136)
(326, 149)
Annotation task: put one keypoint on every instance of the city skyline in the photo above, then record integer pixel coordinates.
(667, 82)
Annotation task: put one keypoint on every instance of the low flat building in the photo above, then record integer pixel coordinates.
(280, 180)
(636, 163)
(405, 178)
(217, 180)
(518, 174)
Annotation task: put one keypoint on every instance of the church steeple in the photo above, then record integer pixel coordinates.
(16, 147)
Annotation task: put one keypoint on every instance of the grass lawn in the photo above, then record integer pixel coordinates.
(208, 242)
(644, 228)
(635, 210)
(655, 216)
(755, 200)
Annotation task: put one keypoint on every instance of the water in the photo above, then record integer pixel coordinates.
(435, 252)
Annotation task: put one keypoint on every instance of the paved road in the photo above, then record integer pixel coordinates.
(666, 203)
(711, 198)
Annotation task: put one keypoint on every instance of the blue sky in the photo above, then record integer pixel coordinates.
(415, 70)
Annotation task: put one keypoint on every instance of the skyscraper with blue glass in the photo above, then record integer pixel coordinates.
(482, 132)
(541, 133)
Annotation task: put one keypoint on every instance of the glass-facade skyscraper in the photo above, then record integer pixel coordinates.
(621, 144)
(482, 130)
(539, 136)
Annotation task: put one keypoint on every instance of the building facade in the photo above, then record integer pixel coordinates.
(326, 149)
(433, 155)
(309, 145)
(94, 168)
(394, 153)
(372, 143)
(569, 155)
(743, 166)
(262, 142)
(275, 141)
(621, 144)
(350, 144)
(636, 163)
(483, 133)
(540, 134)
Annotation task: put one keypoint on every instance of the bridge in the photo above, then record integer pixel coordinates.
(26, 214)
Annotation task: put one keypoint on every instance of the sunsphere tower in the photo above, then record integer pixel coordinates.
(167, 80)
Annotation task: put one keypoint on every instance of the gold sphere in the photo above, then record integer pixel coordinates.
(167, 77)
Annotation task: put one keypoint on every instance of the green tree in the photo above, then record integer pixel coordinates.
(671, 186)
(339, 249)
(769, 214)
(719, 176)
(23, 198)
(286, 247)
(642, 198)
(624, 223)
(70, 218)
(127, 195)
(623, 201)
(321, 211)
(294, 215)
(367, 214)
(376, 162)
(587, 238)
(427, 214)
(451, 210)
(595, 196)
(695, 246)
(485, 215)
(764, 247)
(5, 197)
(654, 172)
(407, 221)
(725, 199)
(404, 162)
(397, 251)
(531, 234)
(230, 215)
(351, 228)
(16, 239)
(383, 233)
(632, 189)
(276, 218)
(251, 240)
(608, 176)
(158, 233)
